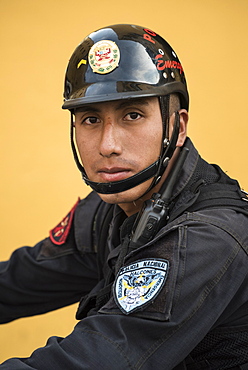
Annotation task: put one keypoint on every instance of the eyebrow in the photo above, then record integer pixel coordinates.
(86, 108)
(121, 105)
(131, 102)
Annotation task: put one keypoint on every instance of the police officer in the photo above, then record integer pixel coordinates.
(157, 252)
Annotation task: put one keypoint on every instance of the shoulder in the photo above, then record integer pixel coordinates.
(214, 229)
(224, 220)
(79, 221)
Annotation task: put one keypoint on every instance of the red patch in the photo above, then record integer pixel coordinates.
(59, 234)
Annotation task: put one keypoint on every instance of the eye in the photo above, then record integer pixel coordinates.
(132, 116)
(90, 120)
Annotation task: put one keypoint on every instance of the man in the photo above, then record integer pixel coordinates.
(158, 250)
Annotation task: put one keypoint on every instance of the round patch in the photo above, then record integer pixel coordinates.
(104, 56)
(139, 283)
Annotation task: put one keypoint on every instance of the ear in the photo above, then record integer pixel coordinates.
(184, 117)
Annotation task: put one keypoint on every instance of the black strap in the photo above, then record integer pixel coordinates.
(220, 195)
(200, 194)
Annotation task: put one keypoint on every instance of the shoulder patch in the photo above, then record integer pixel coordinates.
(139, 283)
(59, 234)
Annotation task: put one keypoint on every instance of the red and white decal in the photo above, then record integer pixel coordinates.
(59, 234)
(162, 64)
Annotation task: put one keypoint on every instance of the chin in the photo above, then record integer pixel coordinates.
(128, 196)
(117, 198)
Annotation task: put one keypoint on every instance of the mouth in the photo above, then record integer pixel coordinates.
(113, 174)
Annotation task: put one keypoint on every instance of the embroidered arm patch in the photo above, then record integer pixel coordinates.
(139, 283)
(59, 234)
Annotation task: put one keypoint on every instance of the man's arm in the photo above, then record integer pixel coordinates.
(31, 285)
(54, 273)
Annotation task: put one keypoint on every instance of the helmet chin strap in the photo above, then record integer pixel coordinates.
(155, 170)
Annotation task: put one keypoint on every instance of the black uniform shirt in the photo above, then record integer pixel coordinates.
(185, 292)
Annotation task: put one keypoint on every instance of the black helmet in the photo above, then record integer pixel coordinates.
(122, 62)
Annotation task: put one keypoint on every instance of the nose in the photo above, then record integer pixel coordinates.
(110, 141)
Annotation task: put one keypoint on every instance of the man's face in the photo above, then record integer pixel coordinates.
(117, 140)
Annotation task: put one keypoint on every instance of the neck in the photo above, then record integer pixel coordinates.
(135, 206)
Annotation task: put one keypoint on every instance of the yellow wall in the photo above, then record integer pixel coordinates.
(39, 181)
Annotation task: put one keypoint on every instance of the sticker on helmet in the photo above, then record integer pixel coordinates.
(138, 284)
(82, 61)
(163, 64)
(104, 56)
